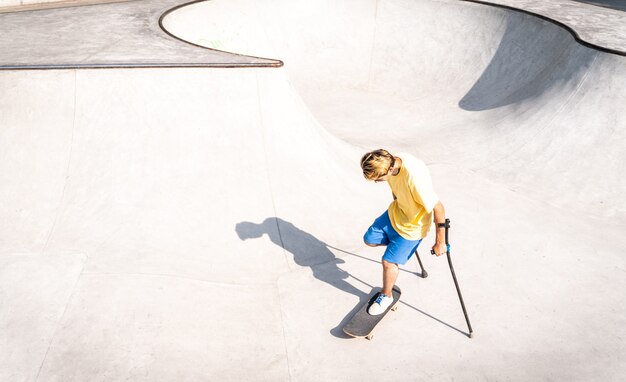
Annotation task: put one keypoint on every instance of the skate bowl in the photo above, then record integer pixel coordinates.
(206, 223)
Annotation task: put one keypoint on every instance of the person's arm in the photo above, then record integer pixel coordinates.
(440, 241)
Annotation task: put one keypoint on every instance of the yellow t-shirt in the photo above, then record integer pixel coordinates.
(411, 214)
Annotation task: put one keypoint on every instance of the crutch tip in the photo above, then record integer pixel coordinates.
(424, 274)
(471, 335)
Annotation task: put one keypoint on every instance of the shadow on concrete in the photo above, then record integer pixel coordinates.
(613, 4)
(308, 251)
(532, 57)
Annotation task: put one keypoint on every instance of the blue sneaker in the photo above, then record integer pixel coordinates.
(380, 305)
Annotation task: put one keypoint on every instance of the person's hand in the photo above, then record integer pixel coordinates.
(439, 249)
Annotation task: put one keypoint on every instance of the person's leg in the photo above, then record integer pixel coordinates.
(398, 252)
(385, 298)
(375, 235)
(379, 235)
(390, 275)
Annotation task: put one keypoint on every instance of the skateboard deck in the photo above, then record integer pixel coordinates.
(362, 324)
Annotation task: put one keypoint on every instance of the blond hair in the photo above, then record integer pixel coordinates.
(376, 164)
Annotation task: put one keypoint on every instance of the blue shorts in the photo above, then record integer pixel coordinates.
(399, 250)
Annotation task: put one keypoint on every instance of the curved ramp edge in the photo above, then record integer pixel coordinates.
(606, 33)
(276, 63)
(113, 35)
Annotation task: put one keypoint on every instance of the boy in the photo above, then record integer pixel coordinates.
(407, 220)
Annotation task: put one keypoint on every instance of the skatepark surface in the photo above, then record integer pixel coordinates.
(189, 215)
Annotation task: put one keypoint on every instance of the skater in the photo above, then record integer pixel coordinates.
(407, 220)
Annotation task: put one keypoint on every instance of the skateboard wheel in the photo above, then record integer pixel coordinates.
(394, 308)
(369, 338)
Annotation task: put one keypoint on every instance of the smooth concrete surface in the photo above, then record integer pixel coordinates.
(7, 6)
(112, 35)
(613, 4)
(596, 23)
(7, 3)
(202, 224)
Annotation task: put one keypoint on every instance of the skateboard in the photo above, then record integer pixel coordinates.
(362, 324)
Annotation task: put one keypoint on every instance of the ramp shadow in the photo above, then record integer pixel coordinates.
(533, 57)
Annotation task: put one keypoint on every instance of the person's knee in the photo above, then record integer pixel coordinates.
(389, 265)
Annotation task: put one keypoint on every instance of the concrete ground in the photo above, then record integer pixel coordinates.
(613, 4)
(598, 24)
(171, 223)
(11, 6)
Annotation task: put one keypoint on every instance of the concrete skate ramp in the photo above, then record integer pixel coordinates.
(196, 224)
(614, 4)
(541, 96)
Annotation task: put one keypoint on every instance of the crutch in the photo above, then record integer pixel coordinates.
(456, 283)
(424, 273)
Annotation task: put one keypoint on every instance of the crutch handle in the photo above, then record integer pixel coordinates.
(432, 251)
